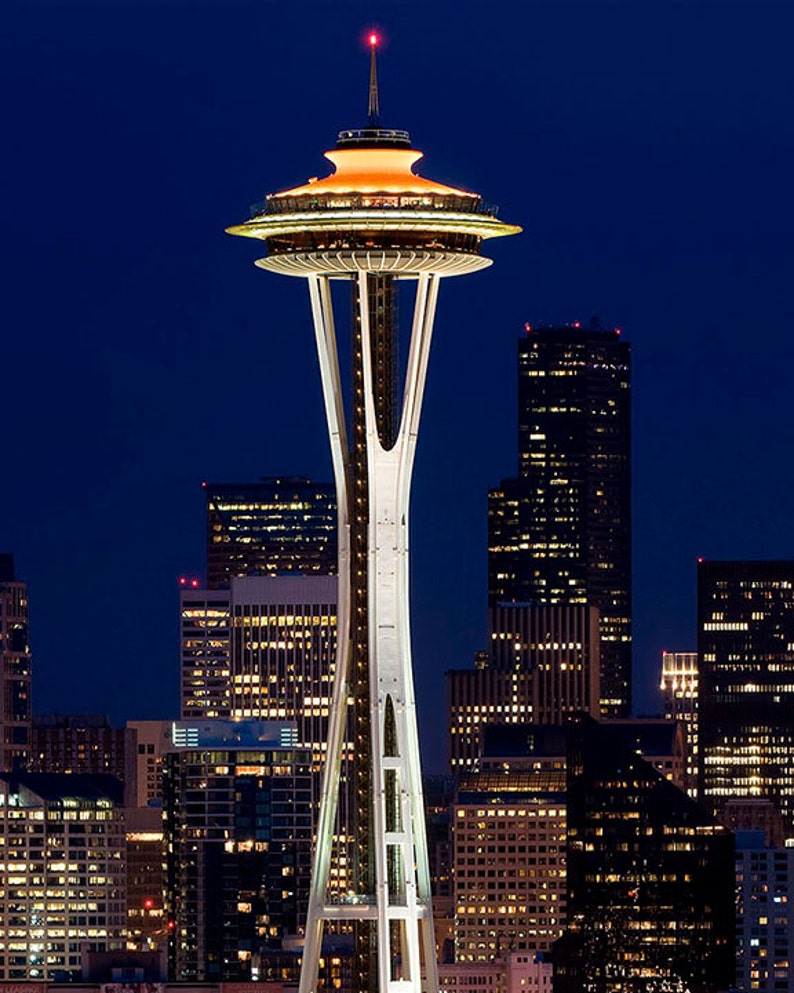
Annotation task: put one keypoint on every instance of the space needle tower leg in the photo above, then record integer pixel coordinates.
(325, 334)
(400, 906)
(404, 913)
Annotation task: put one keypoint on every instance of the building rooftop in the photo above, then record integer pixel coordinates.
(55, 787)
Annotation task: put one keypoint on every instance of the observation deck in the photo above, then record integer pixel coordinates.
(374, 213)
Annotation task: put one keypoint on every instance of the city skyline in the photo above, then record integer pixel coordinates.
(636, 204)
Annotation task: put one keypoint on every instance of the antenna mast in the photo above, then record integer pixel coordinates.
(374, 105)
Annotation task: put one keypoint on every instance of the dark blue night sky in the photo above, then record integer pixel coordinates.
(646, 148)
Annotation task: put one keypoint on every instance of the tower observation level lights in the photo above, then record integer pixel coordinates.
(371, 222)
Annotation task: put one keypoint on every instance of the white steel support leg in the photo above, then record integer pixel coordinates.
(403, 903)
(391, 676)
(322, 314)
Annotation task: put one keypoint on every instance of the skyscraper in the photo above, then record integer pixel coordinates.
(543, 665)
(650, 878)
(561, 531)
(283, 525)
(764, 929)
(509, 850)
(15, 669)
(265, 649)
(371, 222)
(746, 696)
(205, 653)
(84, 743)
(680, 703)
(62, 874)
(237, 825)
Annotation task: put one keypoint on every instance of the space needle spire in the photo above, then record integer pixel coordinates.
(371, 223)
(374, 105)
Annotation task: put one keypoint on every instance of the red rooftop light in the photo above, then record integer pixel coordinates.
(373, 39)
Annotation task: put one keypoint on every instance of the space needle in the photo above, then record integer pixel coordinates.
(372, 222)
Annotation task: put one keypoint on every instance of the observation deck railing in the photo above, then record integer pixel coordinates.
(374, 137)
(369, 201)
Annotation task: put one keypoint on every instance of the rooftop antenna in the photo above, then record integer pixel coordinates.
(374, 105)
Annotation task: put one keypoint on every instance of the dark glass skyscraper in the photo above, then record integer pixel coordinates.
(746, 695)
(15, 706)
(561, 531)
(650, 877)
(278, 526)
(238, 840)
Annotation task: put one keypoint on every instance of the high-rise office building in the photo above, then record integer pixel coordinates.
(205, 653)
(150, 741)
(764, 925)
(543, 665)
(238, 842)
(746, 695)
(560, 533)
(283, 660)
(146, 925)
(509, 858)
(265, 649)
(84, 743)
(514, 747)
(477, 698)
(559, 645)
(62, 872)
(650, 877)
(679, 688)
(15, 668)
(279, 526)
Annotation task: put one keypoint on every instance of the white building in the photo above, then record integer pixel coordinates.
(62, 874)
(516, 972)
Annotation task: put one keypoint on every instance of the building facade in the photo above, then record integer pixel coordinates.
(509, 863)
(746, 696)
(650, 878)
(764, 924)
(15, 669)
(514, 972)
(83, 743)
(543, 665)
(679, 688)
(477, 698)
(149, 742)
(238, 838)
(278, 526)
(205, 660)
(265, 650)
(559, 645)
(63, 873)
(146, 925)
(560, 533)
